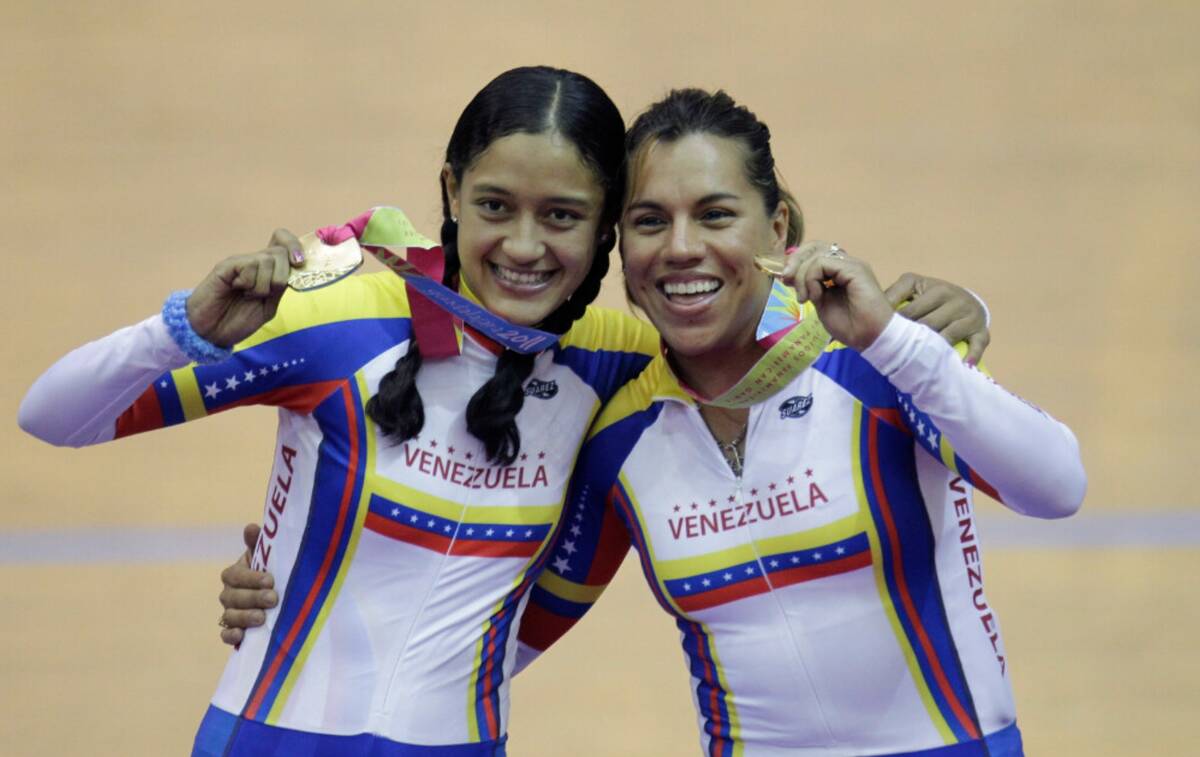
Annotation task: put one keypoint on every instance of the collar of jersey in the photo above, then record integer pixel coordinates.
(665, 384)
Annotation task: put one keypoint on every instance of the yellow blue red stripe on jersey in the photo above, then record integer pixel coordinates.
(905, 539)
(729, 583)
(328, 533)
(449, 536)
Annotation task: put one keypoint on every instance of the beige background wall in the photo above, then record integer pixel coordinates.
(1046, 154)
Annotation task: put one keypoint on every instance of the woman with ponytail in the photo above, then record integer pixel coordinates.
(812, 538)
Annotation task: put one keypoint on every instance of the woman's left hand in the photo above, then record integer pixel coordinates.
(848, 298)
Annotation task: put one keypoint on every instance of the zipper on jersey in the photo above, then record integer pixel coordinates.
(385, 708)
(752, 425)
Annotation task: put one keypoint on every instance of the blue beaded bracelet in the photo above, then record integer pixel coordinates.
(196, 347)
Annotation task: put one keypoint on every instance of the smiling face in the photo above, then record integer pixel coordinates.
(689, 234)
(528, 213)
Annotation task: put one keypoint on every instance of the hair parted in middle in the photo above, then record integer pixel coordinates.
(529, 100)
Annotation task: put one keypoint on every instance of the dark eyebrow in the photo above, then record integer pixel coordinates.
(717, 197)
(707, 199)
(643, 205)
(493, 189)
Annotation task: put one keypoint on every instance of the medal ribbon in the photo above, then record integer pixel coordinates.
(793, 337)
(437, 310)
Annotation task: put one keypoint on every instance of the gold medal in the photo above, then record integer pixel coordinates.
(773, 267)
(769, 264)
(324, 264)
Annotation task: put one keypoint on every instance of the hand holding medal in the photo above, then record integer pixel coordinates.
(848, 299)
(242, 292)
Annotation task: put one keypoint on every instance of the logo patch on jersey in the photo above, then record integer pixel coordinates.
(543, 390)
(796, 407)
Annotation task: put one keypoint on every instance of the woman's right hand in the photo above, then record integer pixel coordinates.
(242, 293)
(247, 593)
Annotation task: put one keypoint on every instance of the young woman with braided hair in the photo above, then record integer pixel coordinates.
(412, 499)
(397, 407)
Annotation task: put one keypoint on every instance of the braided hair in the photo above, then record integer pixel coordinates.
(529, 100)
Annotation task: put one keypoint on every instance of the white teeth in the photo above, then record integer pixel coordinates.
(691, 287)
(522, 278)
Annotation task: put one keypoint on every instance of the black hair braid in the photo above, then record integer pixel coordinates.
(397, 408)
(492, 411)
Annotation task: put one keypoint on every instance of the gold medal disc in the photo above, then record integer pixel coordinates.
(324, 264)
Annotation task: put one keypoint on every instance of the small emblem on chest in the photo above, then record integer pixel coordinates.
(543, 390)
(795, 407)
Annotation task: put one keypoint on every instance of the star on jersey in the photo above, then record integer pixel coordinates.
(568, 547)
(238, 382)
(923, 428)
(752, 574)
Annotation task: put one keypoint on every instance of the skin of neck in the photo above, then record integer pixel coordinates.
(715, 371)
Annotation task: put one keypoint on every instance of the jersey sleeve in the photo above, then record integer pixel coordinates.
(608, 349)
(593, 537)
(136, 379)
(1003, 445)
(585, 555)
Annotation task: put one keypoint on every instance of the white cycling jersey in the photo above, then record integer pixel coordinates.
(830, 599)
(403, 568)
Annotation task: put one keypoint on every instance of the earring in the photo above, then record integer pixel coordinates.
(453, 219)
